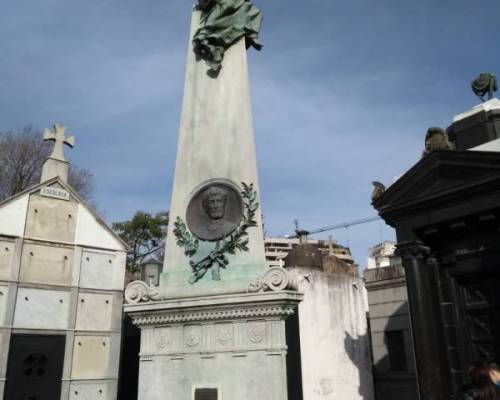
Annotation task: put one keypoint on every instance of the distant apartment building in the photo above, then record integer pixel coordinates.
(392, 346)
(382, 255)
(277, 249)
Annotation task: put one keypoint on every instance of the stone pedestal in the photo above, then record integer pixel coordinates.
(53, 168)
(231, 346)
(476, 127)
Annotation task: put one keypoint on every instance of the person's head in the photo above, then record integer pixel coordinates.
(483, 378)
(495, 374)
(214, 202)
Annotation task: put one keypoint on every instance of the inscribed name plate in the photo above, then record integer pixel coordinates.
(55, 193)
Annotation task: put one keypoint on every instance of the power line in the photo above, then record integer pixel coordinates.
(336, 226)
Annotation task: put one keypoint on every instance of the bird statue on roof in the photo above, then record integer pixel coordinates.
(378, 190)
(485, 84)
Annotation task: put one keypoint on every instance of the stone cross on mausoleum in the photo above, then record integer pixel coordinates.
(56, 164)
(58, 136)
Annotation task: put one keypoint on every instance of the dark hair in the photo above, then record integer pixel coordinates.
(479, 375)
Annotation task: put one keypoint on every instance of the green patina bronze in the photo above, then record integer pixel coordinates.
(485, 84)
(223, 23)
(231, 244)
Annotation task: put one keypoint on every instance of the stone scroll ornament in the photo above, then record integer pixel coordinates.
(139, 292)
(235, 240)
(275, 279)
(222, 24)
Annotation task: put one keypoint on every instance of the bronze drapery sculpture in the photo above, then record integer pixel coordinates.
(223, 23)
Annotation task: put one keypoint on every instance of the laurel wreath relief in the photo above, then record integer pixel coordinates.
(230, 244)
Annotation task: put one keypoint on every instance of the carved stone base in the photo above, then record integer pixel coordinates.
(232, 343)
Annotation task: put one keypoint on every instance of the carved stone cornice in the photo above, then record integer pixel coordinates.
(212, 315)
(274, 305)
(414, 249)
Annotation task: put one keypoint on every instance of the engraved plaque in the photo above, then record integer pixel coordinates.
(55, 192)
(214, 211)
(205, 394)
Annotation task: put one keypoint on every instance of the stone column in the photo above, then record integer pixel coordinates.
(424, 321)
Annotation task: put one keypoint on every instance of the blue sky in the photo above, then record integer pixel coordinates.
(342, 94)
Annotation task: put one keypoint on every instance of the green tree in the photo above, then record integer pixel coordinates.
(22, 154)
(145, 235)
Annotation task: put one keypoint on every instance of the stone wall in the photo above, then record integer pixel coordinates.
(388, 310)
(334, 342)
(53, 282)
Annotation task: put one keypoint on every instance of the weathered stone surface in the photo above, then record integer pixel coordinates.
(51, 219)
(94, 312)
(92, 232)
(90, 357)
(488, 106)
(51, 265)
(6, 254)
(334, 337)
(13, 216)
(89, 391)
(216, 144)
(235, 343)
(41, 309)
(98, 270)
(4, 295)
(494, 145)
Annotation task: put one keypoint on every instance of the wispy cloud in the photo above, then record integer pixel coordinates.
(342, 95)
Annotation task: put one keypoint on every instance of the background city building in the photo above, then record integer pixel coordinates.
(276, 249)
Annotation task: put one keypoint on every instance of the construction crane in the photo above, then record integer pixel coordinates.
(302, 232)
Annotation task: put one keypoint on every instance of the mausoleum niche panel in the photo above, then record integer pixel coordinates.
(94, 312)
(4, 291)
(88, 391)
(6, 253)
(90, 357)
(51, 265)
(98, 270)
(51, 219)
(41, 309)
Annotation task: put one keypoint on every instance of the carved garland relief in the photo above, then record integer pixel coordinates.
(216, 213)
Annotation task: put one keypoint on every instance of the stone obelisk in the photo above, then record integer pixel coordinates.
(215, 328)
(216, 148)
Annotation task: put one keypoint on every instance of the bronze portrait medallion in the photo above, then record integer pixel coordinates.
(214, 211)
